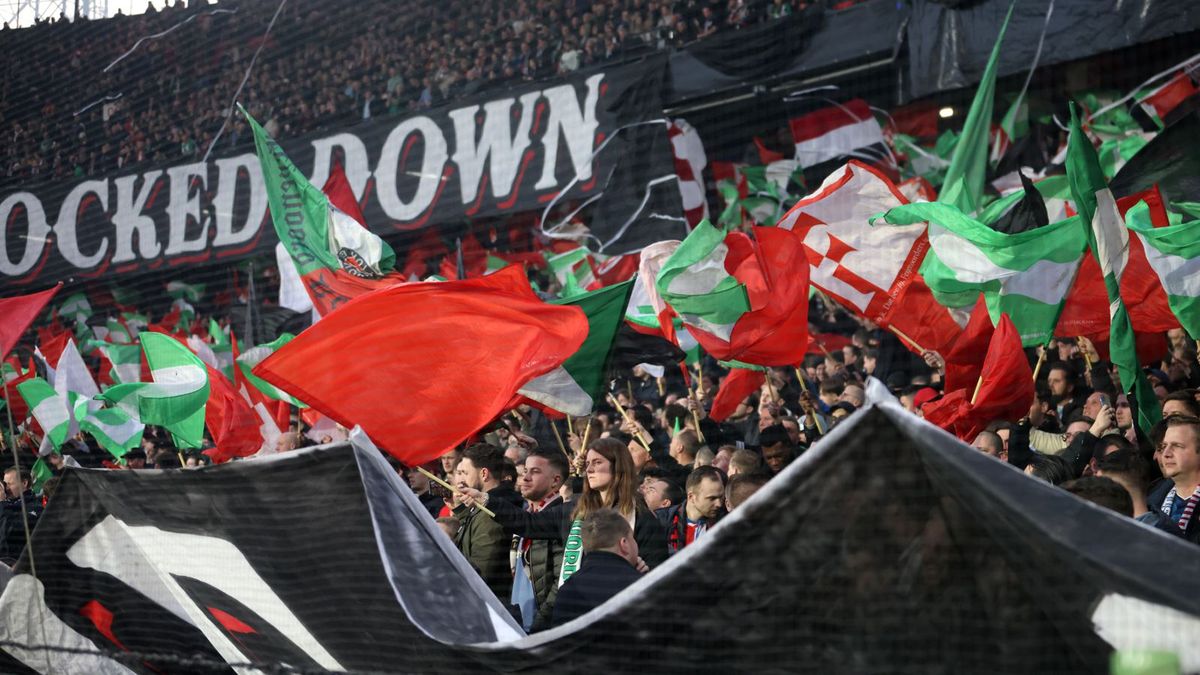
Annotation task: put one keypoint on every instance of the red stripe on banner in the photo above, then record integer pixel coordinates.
(102, 619)
(825, 120)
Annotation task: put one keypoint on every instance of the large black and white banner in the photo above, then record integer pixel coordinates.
(509, 151)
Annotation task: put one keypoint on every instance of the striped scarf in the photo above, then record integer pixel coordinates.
(1188, 509)
(572, 552)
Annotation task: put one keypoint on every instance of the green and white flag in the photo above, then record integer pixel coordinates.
(575, 386)
(117, 332)
(185, 291)
(1109, 241)
(48, 408)
(40, 473)
(571, 266)
(176, 399)
(255, 355)
(76, 307)
(1026, 275)
(967, 173)
(126, 360)
(222, 348)
(113, 428)
(1173, 253)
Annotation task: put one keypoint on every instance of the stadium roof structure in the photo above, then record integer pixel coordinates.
(887, 547)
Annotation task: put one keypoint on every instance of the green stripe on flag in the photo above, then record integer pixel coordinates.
(176, 399)
(255, 355)
(1109, 241)
(694, 282)
(1174, 254)
(1026, 275)
(48, 408)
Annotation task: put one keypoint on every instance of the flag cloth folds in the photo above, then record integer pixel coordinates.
(574, 387)
(742, 299)
(1109, 241)
(869, 269)
(1026, 275)
(17, 313)
(113, 428)
(838, 131)
(48, 408)
(1173, 253)
(256, 355)
(1005, 389)
(336, 257)
(740, 383)
(467, 347)
(175, 400)
(967, 173)
(964, 359)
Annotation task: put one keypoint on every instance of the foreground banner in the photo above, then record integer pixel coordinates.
(520, 149)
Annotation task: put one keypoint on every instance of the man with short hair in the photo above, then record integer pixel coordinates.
(990, 444)
(776, 448)
(1132, 472)
(1179, 455)
(741, 487)
(1180, 403)
(1103, 492)
(683, 448)
(687, 522)
(855, 395)
(610, 563)
(481, 539)
(743, 461)
(538, 561)
(1060, 377)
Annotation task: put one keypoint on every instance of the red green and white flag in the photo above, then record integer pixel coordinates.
(49, 408)
(336, 257)
(176, 398)
(1109, 242)
(743, 299)
(1173, 254)
(256, 355)
(126, 360)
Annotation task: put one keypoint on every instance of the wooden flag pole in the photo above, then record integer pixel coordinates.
(570, 427)
(662, 388)
(771, 387)
(587, 430)
(978, 386)
(1037, 368)
(625, 415)
(1087, 359)
(812, 415)
(900, 334)
(451, 488)
(695, 396)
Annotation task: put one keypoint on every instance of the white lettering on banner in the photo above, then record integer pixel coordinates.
(185, 206)
(35, 234)
(128, 218)
(66, 227)
(496, 140)
(192, 208)
(147, 559)
(228, 171)
(430, 171)
(578, 127)
(355, 161)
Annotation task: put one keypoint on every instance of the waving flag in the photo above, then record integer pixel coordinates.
(256, 355)
(17, 313)
(49, 408)
(1173, 254)
(1109, 241)
(113, 428)
(467, 347)
(176, 398)
(743, 300)
(871, 269)
(335, 256)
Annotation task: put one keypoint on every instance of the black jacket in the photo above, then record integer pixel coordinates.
(555, 523)
(1156, 497)
(674, 522)
(601, 575)
(12, 525)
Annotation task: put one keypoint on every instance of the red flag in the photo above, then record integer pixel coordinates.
(1005, 389)
(922, 318)
(18, 313)
(52, 350)
(765, 154)
(231, 421)
(964, 359)
(427, 247)
(16, 402)
(422, 366)
(337, 188)
(474, 258)
(740, 383)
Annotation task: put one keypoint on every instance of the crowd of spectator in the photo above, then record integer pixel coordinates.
(83, 98)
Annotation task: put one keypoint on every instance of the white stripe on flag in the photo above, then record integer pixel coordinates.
(838, 142)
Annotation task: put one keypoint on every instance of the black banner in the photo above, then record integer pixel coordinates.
(509, 151)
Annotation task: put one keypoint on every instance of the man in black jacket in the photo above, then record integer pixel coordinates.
(18, 496)
(687, 522)
(535, 580)
(609, 565)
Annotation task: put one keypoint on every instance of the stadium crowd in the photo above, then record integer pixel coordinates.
(642, 482)
(88, 98)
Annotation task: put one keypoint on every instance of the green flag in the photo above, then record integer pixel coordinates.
(1109, 241)
(575, 386)
(1026, 275)
(112, 428)
(1174, 254)
(176, 399)
(185, 291)
(40, 473)
(967, 173)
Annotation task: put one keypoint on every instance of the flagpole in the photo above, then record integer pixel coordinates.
(451, 488)
(978, 386)
(1037, 368)
(695, 396)
(907, 339)
(770, 386)
(812, 415)
(625, 415)
(558, 437)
